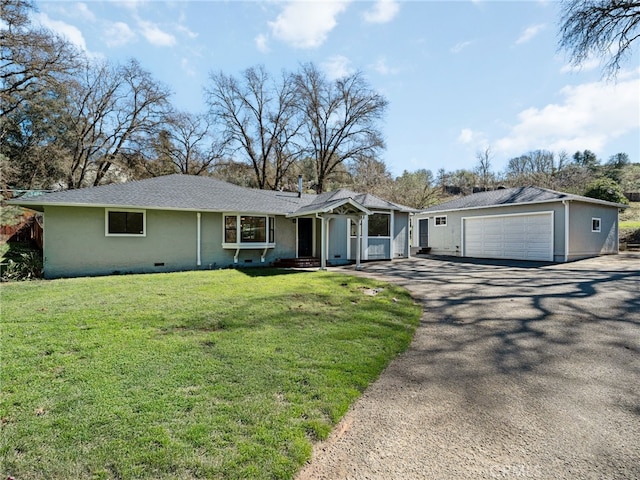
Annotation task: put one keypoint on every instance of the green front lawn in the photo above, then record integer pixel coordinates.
(224, 374)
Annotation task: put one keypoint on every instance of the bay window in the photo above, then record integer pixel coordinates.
(249, 229)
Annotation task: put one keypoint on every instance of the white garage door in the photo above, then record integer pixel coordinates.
(518, 237)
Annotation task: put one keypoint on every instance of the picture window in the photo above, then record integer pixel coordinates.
(379, 225)
(125, 223)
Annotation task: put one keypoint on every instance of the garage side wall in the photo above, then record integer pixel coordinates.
(583, 242)
(447, 239)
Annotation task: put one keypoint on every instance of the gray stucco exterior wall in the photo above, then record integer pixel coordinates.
(170, 243)
(585, 243)
(447, 239)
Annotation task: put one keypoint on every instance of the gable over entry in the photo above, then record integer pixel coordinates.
(327, 211)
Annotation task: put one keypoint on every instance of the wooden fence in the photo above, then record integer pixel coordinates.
(632, 196)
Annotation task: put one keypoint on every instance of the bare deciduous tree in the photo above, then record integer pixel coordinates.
(260, 121)
(340, 120)
(371, 176)
(112, 112)
(32, 60)
(185, 145)
(483, 169)
(606, 28)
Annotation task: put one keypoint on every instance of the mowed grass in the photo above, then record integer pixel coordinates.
(224, 374)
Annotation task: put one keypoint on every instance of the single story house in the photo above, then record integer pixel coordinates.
(183, 222)
(524, 223)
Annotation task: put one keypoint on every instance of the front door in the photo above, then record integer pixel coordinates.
(305, 237)
(423, 232)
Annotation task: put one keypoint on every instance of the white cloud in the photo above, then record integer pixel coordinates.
(155, 35)
(382, 67)
(529, 33)
(132, 5)
(383, 11)
(262, 43)
(306, 24)
(186, 31)
(70, 32)
(81, 10)
(589, 117)
(118, 34)
(187, 67)
(337, 67)
(472, 138)
(458, 47)
(466, 136)
(589, 64)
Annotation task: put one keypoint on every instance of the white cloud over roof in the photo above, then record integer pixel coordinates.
(118, 34)
(155, 35)
(66, 30)
(589, 116)
(383, 11)
(262, 43)
(529, 33)
(306, 24)
(337, 66)
(458, 47)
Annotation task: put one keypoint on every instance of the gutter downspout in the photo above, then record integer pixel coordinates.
(566, 230)
(323, 241)
(359, 244)
(199, 239)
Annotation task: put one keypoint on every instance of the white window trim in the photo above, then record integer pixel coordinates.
(442, 224)
(135, 235)
(248, 245)
(390, 225)
(599, 229)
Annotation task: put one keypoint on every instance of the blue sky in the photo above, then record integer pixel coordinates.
(459, 76)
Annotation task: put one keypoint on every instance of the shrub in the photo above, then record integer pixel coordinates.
(606, 189)
(23, 264)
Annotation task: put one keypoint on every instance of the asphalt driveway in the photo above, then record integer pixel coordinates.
(517, 371)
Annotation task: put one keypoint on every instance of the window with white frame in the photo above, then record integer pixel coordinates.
(379, 225)
(440, 221)
(125, 223)
(595, 224)
(254, 229)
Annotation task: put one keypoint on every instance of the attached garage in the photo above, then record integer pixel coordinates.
(519, 237)
(523, 223)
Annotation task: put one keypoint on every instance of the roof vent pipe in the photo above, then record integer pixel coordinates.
(299, 186)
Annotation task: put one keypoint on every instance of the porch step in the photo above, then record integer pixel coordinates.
(307, 262)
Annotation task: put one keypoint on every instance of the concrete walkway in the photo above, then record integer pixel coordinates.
(516, 371)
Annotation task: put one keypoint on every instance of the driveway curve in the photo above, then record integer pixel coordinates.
(518, 370)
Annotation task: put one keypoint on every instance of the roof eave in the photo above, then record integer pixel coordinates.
(40, 207)
(537, 202)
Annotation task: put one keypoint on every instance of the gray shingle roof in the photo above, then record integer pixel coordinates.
(188, 192)
(365, 199)
(512, 196)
